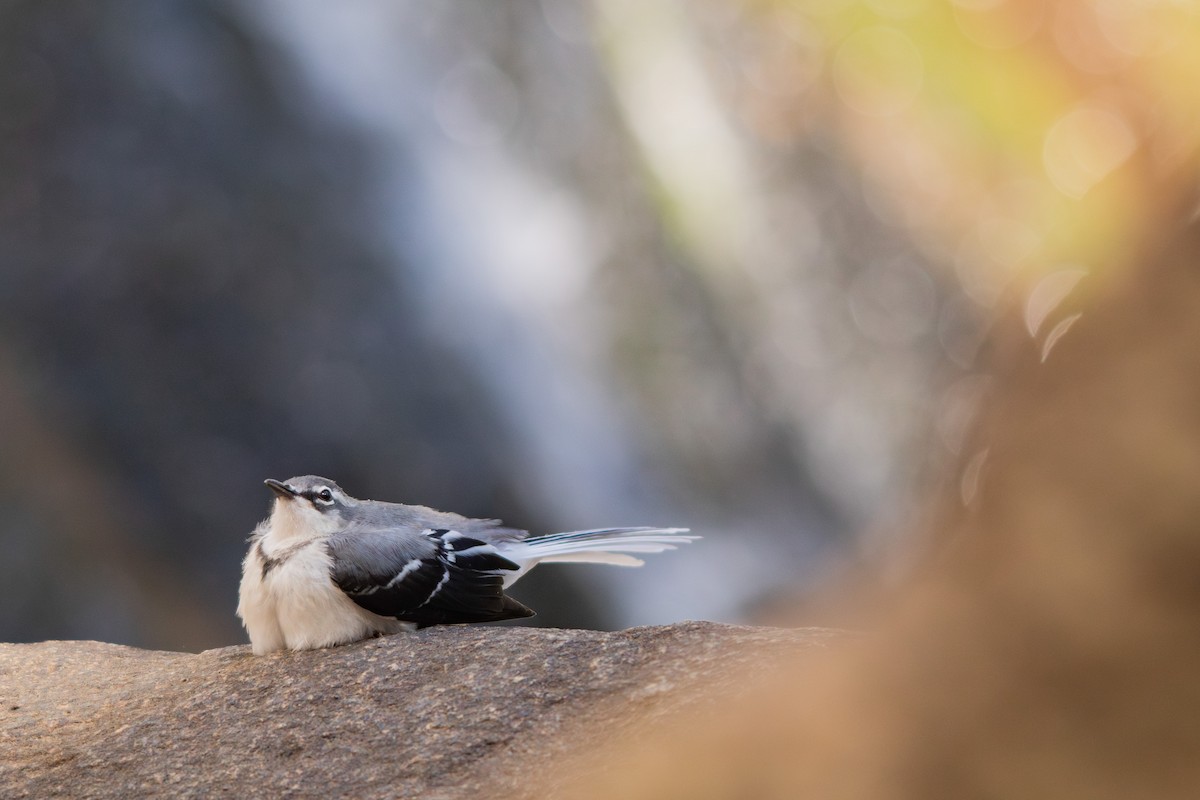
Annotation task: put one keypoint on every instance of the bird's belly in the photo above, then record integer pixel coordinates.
(311, 610)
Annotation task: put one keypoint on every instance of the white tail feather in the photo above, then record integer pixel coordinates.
(616, 559)
(602, 546)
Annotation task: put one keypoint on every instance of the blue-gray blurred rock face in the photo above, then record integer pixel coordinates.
(191, 301)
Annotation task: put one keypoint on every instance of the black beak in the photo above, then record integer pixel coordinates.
(281, 489)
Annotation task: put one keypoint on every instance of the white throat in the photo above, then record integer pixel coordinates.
(295, 522)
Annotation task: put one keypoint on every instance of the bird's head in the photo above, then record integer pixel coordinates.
(308, 505)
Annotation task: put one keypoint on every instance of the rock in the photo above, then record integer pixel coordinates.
(443, 713)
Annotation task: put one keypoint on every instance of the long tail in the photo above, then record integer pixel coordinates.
(600, 546)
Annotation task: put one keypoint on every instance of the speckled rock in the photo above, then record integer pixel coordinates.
(443, 713)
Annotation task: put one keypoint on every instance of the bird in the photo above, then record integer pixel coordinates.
(327, 569)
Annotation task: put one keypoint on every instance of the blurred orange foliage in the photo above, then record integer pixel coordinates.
(1011, 137)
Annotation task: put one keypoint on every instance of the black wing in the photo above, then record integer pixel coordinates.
(435, 577)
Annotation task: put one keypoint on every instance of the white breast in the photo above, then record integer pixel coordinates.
(297, 606)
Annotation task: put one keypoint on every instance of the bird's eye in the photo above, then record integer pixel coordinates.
(325, 495)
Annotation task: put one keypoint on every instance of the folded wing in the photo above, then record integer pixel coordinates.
(428, 577)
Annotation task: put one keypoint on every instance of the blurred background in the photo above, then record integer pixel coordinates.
(734, 266)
